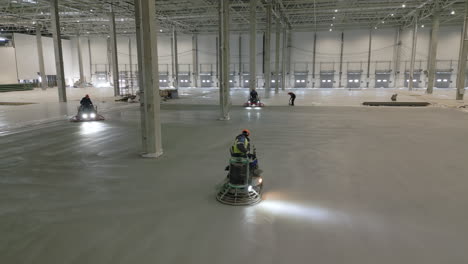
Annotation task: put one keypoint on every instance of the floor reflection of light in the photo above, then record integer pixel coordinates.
(277, 204)
(289, 209)
(91, 127)
(249, 115)
(255, 108)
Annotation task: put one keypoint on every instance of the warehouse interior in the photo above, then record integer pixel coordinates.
(368, 164)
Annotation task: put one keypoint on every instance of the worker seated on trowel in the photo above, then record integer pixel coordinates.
(241, 148)
(253, 96)
(86, 103)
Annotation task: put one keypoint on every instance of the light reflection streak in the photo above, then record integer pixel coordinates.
(91, 127)
(289, 209)
(276, 204)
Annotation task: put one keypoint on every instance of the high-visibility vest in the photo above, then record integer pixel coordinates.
(241, 140)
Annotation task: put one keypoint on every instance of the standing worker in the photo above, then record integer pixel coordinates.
(292, 98)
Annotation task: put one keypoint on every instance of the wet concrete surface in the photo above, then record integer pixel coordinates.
(342, 185)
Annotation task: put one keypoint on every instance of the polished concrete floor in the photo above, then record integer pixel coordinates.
(45, 108)
(356, 185)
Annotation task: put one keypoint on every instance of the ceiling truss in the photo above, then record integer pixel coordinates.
(91, 17)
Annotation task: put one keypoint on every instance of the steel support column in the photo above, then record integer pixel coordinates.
(114, 57)
(288, 58)
(277, 54)
(80, 61)
(413, 53)
(130, 61)
(240, 62)
(195, 72)
(267, 51)
(40, 56)
(461, 75)
(283, 59)
(433, 51)
(109, 60)
(57, 38)
(90, 60)
(313, 60)
(149, 72)
(397, 57)
(369, 54)
(224, 97)
(172, 60)
(175, 58)
(141, 90)
(253, 46)
(217, 60)
(341, 61)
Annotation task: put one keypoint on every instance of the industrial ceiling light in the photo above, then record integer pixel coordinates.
(334, 17)
(403, 5)
(392, 14)
(422, 26)
(331, 29)
(331, 25)
(383, 22)
(336, 10)
(453, 12)
(375, 27)
(160, 30)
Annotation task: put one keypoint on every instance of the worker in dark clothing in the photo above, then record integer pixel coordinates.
(394, 97)
(86, 102)
(253, 96)
(292, 98)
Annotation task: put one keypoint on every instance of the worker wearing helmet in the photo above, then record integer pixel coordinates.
(86, 102)
(241, 146)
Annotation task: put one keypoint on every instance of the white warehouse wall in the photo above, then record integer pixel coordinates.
(8, 66)
(26, 56)
(27, 59)
(328, 46)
